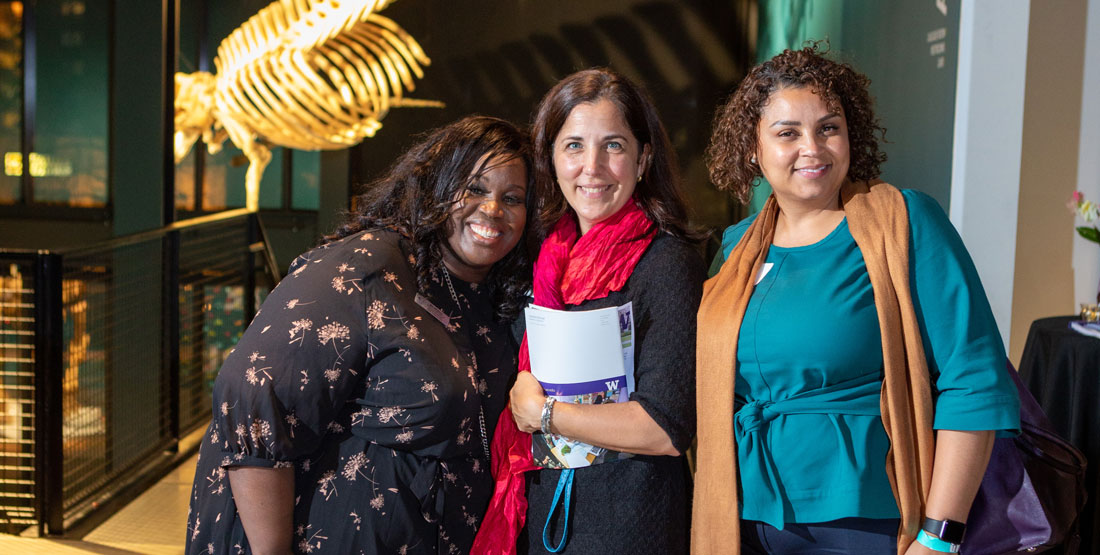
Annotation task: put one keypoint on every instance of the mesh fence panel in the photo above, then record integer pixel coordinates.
(113, 417)
(17, 402)
(212, 318)
(113, 360)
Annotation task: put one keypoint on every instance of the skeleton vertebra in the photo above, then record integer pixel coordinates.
(305, 74)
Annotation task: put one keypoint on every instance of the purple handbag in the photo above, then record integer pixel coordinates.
(1032, 492)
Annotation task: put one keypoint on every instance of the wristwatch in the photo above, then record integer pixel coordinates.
(950, 531)
(547, 414)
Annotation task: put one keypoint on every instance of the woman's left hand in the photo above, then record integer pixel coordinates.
(527, 398)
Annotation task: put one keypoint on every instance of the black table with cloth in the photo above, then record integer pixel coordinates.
(1061, 368)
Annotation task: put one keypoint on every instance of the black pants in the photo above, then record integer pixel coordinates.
(845, 536)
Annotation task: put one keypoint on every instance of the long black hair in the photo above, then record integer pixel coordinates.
(416, 195)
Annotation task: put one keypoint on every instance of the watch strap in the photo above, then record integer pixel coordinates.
(950, 531)
(936, 544)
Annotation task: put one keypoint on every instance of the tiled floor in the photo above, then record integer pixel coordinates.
(153, 524)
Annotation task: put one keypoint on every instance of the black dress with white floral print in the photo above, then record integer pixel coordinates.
(372, 392)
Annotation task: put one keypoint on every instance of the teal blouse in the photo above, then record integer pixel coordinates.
(810, 442)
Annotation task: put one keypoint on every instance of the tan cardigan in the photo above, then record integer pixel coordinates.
(879, 222)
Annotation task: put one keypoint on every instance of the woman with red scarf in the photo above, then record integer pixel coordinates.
(616, 231)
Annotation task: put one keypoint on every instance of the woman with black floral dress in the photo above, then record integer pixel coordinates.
(355, 414)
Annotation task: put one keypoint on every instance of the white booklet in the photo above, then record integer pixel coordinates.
(584, 356)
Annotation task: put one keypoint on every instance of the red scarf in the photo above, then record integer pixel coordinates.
(569, 271)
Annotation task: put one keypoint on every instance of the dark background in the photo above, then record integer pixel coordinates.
(500, 58)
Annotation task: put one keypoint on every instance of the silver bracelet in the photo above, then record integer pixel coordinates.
(547, 414)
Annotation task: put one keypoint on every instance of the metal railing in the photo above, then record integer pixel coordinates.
(107, 356)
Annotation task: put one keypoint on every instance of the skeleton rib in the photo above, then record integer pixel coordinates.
(308, 74)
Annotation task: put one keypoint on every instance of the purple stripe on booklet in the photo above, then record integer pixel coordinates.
(583, 388)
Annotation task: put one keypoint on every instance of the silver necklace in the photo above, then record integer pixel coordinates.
(450, 286)
(480, 407)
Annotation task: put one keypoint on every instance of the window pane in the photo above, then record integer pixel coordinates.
(216, 172)
(187, 56)
(190, 15)
(271, 186)
(71, 111)
(11, 100)
(185, 180)
(224, 174)
(305, 184)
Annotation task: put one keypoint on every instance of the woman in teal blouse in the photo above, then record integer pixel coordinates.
(809, 364)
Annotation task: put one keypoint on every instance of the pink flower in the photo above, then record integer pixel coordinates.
(1085, 209)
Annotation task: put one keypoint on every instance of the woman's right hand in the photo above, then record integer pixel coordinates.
(527, 398)
(623, 427)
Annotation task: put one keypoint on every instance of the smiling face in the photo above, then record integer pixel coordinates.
(597, 161)
(802, 148)
(487, 219)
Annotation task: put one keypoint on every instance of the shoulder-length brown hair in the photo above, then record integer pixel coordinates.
(733, 142)
(658, 193)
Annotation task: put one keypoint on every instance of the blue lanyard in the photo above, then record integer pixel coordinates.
(565, 482)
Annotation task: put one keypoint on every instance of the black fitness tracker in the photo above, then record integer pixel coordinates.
(950, 531)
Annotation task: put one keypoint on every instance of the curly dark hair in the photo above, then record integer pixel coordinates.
(658, 192)
(416, 195)
(734, 139)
